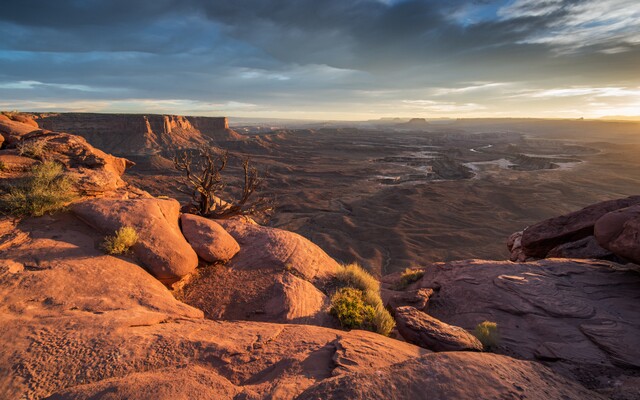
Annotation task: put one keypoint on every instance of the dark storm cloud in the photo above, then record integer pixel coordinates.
(275, 54)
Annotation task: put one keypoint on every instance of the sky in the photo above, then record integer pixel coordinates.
(323, 59)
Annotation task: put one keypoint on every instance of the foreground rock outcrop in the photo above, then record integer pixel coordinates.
(76, 323)
(93, 171)
(578, 317)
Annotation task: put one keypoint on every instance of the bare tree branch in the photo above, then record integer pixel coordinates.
(202, 180)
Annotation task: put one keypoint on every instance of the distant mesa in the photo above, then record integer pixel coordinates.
(139, 134)
(414, 123)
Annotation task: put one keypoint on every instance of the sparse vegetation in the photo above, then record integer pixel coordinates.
(487, 334)
(46, 189)
(358, 300)
(409, 276)
(355, 276)
(203, 181)
(348, 306)
(121, 242)
(32, 148)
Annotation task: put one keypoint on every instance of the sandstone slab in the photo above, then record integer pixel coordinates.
(459, 375)
(577, 315)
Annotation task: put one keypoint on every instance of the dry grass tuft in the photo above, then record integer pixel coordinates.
(121, 242)
(487, 334)
(45, 190)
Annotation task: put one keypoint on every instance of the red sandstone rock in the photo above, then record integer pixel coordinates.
(271, 247)
(425, 331)
(209, 240)
(161, 248)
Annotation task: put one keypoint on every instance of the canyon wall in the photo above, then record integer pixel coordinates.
(138, 134)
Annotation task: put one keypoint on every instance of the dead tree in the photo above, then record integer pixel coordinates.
(202, 180)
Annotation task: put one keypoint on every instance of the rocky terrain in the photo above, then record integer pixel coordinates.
(229, 309)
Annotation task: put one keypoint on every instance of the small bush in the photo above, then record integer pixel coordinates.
(359, 302)
(347, 305)
(45, 190)
(120, 243)
(408, 277)
(487, 334)
(32, 148)
(355, 276)
(3, 166)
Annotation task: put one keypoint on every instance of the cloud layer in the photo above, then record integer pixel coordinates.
(330, 59)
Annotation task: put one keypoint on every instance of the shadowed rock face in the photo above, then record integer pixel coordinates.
(580, 315)
(136, 134)
(537, 240)
(619, 232)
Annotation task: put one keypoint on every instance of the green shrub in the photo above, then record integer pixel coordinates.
(408, 277)
(44, 190)
(32, 148)
(3, 166)
(359, 302)
(348, 306)
(120, 243)
(487, 334)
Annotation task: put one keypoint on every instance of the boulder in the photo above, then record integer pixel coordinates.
(261, 294)
(619, 232)
(14, 131)
(271, 247)
(209, 240)
(425, 331)
(583, 248)
(161, 248)
(459, 375)
(539, 239)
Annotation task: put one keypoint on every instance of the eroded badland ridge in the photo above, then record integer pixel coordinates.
(229, 309)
